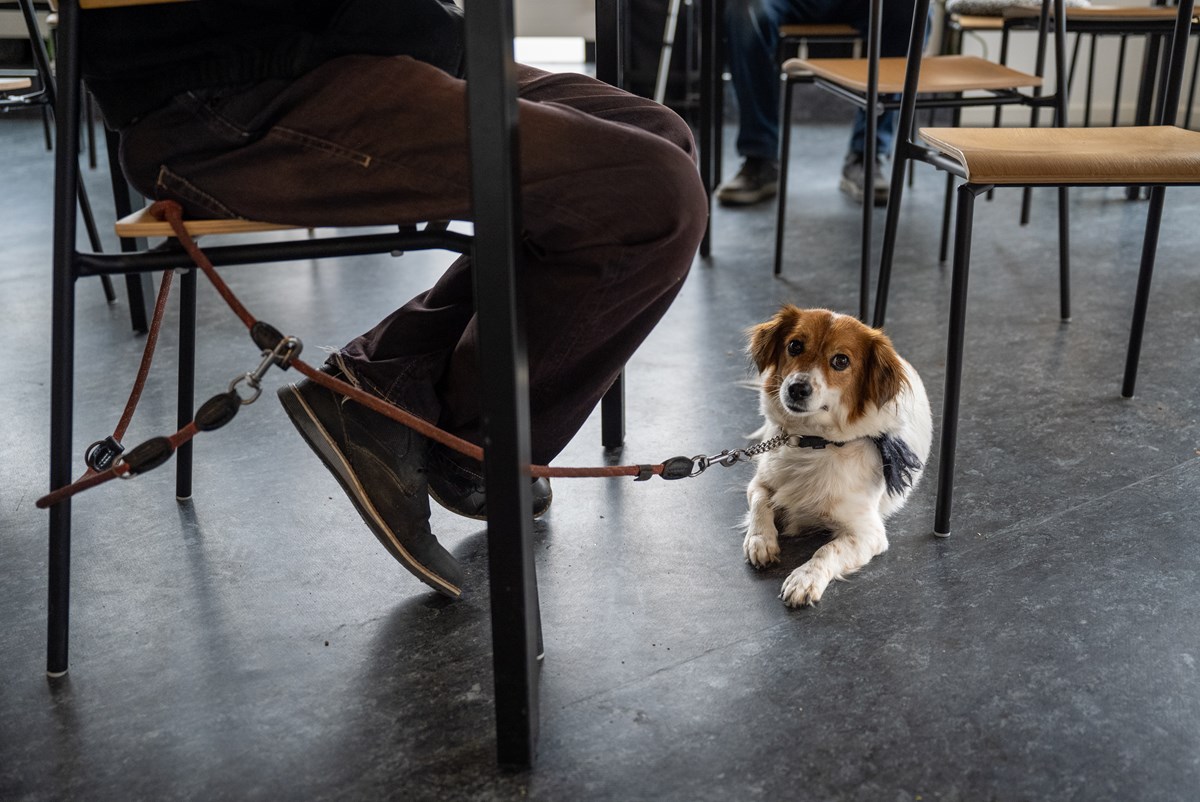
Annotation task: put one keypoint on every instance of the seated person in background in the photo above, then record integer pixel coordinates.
(354, 112)
(752, 36)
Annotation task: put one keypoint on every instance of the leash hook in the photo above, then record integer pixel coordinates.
(282, 354)
(726, 458)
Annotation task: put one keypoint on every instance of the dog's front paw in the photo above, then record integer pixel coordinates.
(804, 586)
(761, 551)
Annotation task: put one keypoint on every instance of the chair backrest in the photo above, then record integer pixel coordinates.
(916, 45)
(1175, 65)
(93, 4)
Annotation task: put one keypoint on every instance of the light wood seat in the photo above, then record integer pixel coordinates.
(938, 74)
(1163, 154)
(975, 22)
(143, 224)
(12, 84)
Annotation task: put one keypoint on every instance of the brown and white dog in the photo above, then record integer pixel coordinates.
(860, 430)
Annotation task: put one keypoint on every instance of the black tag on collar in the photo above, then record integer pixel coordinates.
(899, 463)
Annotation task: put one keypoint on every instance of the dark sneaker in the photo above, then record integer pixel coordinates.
(853, 175)
(461, 490)
(381, 466)
(757, 181)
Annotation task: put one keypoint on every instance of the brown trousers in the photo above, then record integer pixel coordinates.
(613, 210)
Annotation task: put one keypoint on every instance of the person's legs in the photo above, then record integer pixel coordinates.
(613, 211)
(894, 36)
(752, 43)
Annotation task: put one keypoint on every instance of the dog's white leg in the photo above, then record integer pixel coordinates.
(762, 538)
(856, 540)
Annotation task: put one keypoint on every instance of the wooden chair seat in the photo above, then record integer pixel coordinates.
(973, 22)
(819, 30)
(938, 74)
(143, 224)
(1162, 154)
(11, 84)
(1114, 14)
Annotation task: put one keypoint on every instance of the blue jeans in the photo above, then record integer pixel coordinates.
(752, 36)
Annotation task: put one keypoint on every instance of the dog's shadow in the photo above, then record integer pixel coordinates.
(795, 549)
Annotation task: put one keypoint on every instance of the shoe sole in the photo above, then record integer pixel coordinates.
(856, 194)
(318, 439)
(746, 197)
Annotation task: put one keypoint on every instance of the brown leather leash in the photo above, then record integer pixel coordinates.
(107, 459)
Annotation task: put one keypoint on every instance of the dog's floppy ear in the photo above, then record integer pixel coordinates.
(883, 377)
(765, 340)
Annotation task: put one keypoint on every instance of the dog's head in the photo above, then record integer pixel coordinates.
(821, 369)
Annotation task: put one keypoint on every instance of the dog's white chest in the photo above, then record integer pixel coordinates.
(810, 483)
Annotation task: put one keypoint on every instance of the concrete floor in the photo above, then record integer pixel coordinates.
(256, 642)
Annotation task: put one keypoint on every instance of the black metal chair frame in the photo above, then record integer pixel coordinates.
(492, 108)
(904, 149)
(137, 286)
(968, 192)
(908, 149)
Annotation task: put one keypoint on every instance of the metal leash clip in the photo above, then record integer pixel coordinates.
(727, 457)
(284, 352)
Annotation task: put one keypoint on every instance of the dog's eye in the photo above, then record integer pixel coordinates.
(795, 348)
(840, 362)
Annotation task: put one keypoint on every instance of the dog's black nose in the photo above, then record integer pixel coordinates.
(799, 389)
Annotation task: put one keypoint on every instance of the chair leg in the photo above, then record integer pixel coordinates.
(62, 345)
(187, 381)
(89, 224)
(868, 222)
(709, 77)
(1064, 255)
(890, 232)
(785, 143)
(1145, 97)
(1191, 98)
(137, 285)
(1091, 80)
(947, 217)
(512, 577)
(612, 414)
(1116, 107)
(948, 202)
(954, 355)
(1141, 298)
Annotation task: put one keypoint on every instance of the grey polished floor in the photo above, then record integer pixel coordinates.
(257, 643)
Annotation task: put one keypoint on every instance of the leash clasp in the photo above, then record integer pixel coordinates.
(728, 457)
(282, 355)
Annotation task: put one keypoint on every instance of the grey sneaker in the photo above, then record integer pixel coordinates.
(853, 175)
(381, 466)
(757, 181)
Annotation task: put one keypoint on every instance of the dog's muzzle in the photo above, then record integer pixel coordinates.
(796, 393)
